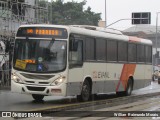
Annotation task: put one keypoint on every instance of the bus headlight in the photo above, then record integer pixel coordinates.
(16, 78)
(59, 80)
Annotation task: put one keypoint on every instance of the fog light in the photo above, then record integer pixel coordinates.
(56, 90)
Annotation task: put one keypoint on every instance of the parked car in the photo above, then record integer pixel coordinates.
(156, 76)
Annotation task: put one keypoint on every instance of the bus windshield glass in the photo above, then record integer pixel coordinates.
(34, 55)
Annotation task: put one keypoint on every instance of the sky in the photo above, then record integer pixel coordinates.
(122, 9)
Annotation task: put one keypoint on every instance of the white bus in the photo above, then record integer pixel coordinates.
(78, 60)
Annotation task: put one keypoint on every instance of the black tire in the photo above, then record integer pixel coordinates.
(85, 92)
(158, 80)
(129, 87)
(94, 96)
(121, 93)
(153, 78)
(37, 97)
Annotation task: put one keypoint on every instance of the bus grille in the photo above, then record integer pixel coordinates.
(40, 77)
(35, 88)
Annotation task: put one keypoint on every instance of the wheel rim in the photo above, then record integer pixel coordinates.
(129, 90)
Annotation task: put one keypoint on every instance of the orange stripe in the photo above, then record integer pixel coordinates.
(134, 39)
(127, 71)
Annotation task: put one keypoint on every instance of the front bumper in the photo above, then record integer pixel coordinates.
(38, 89)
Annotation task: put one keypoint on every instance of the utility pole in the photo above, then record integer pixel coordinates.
(157, 30)
(105, 14)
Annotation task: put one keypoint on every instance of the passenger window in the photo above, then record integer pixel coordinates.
(112, 50)
(90, 49)
(132, 52)
(101, 53)
(140, 53)
(122, 51)
(148, 54)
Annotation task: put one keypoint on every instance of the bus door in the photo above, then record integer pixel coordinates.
(75, 65)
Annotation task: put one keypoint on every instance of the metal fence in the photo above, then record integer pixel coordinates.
(5, 76)
(5, 80)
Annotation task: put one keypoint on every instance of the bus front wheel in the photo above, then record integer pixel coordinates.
(85, 93)
(38, 97)
(158, 80)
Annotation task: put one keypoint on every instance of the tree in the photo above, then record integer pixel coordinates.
(71, 13)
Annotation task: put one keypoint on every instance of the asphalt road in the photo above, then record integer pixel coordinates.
(21, 102)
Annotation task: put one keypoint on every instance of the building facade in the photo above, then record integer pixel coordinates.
(14, 13)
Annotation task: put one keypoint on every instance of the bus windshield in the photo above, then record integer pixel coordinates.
(34, 55)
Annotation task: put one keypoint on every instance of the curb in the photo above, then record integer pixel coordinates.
(5, 87)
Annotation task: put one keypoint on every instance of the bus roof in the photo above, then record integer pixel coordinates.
(95, 32)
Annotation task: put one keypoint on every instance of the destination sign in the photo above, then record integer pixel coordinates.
(42, 32)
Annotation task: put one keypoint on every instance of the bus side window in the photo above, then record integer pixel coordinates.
(75, 51)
